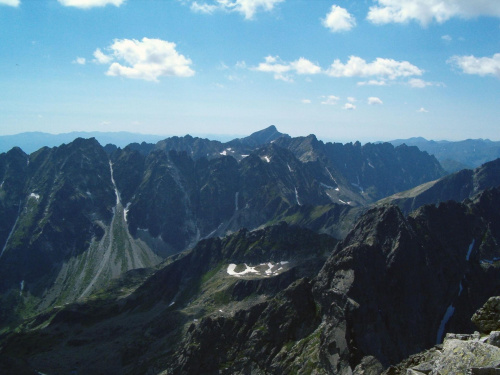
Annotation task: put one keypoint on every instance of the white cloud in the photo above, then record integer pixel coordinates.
(351, 99)
(80, 61)
(373, 100)
(380, 67)
(306, 101)
(447, 38)
(12, 3)
(101, 58)
(330, 100)
(86, 4)
(203, 8)
(478, 65)
(147, 59)
(304, 66)
(241, 64)
(425, 11)
(273, 64)
(349, 106)
(373, 82)
(422, 110)
(339, 19)
(247, 8)
(419, 83)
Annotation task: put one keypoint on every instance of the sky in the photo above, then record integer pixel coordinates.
(368, 70)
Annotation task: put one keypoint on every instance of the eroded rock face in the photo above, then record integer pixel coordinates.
(460, 353)
(487, 318)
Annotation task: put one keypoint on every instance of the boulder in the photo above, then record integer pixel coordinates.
(487, 318)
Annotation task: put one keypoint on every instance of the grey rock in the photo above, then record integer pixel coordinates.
(494, 339)
(425, 367)
(369, 366)
(459, 356)
(487, 318)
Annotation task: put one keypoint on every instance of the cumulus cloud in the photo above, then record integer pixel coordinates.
(101, 58)
(482, 66)
(304, 66)
(80, 61)
(380, 67)
(147, 59)
(330, 100)
(247, 8)
(422, 110)
(306, 101)
(273, 64)
(349, 106)
(373, 100)
(425, 11)
(203, 8)
(419, 83)
(86, 4)
(339, 19)
(12, 3)
(447, 38)
(351, 99)
(373, 82)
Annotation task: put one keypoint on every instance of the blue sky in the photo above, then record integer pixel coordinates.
(343, 70)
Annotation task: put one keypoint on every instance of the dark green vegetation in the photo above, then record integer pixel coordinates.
(134, 260)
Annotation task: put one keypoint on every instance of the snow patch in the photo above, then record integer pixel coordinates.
(289, 168)
(171, 303)
(125, 211)
(297, 197)
(447, 316)
(114, 184)
(269, 271)
(22, 288)
(471, 246)
(244, 156)
(330, 175)
(337, 189)
(267, 159)
(490, 261)
(34, 195)
(1, 185)
(248, 269)
(224, 153)
(236, 200)
(264, 269)
(88, 193)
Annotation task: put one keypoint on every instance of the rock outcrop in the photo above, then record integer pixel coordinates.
(476, 354)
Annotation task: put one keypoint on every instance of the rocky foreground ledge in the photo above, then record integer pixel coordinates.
(475, 354)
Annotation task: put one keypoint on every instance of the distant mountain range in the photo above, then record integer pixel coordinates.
(33, 141)
(264, 254)
(453, 156)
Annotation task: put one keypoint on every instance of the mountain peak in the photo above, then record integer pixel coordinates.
(262, 137)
